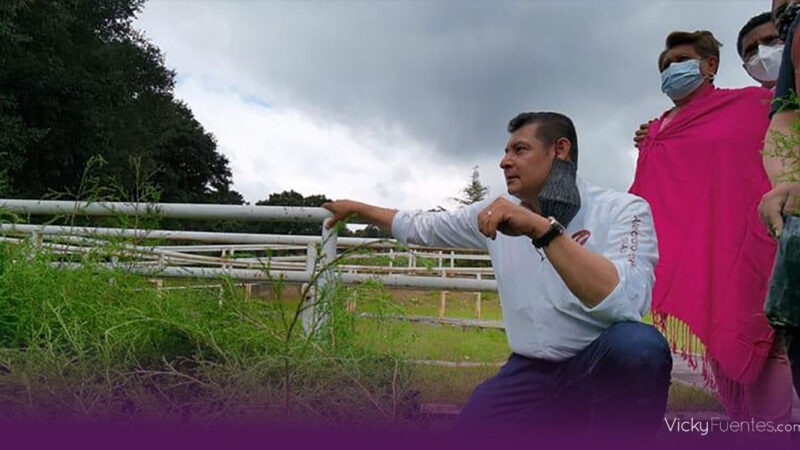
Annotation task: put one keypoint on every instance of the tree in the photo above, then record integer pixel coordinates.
(3, 182)
(371, 231)
(78, 81)
(474, 192)
(290, 198)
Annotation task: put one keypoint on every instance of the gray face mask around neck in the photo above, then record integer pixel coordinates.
(560, 197)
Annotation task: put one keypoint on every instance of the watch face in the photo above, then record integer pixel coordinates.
(555, 224)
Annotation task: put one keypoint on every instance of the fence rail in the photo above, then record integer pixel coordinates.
(192, 211)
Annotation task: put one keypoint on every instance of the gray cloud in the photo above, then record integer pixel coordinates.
(451, 74)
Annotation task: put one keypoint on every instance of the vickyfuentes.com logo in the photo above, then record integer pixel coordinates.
(720, 425)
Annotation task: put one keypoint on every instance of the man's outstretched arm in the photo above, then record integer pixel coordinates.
(453, 229)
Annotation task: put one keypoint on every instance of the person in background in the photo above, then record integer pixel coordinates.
(699, 167)
(760, 48)
(574, 267)
(780, 207)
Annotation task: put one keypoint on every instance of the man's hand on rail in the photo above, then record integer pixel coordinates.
(342, 209)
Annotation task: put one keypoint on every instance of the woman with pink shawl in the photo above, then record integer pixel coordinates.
(700, 169)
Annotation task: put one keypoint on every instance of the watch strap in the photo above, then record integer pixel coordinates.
(555, 230)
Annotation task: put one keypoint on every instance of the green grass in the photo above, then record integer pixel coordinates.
(444, 342)
(91, 343)
(460, 305)
(460, 382)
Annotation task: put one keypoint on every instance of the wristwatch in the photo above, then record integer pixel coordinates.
(555, 230)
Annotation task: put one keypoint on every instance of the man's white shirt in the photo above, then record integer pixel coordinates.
(542, 318)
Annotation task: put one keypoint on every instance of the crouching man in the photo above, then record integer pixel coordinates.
(574, 266)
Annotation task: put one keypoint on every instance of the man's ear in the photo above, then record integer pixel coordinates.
(563, 149)
(713, 65)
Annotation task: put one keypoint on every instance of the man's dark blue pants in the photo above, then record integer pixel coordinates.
(791, 338)
(619, 383)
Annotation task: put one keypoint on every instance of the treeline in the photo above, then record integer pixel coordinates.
(292, 198)
(88, 110)
(77, 81)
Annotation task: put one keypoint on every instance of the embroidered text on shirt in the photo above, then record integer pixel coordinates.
(630, 243)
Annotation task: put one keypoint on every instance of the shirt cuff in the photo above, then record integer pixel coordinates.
(400, 226)
(622, 304)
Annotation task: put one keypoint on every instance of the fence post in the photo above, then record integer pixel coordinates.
(307, 315)
(478, 313)
(36, 244)
(318, 304)
(443, 299)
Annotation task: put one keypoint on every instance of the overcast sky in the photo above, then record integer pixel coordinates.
(394, 102)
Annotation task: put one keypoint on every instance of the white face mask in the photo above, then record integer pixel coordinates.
(765, 65)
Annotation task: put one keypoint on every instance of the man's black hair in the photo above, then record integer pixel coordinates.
(551, 127)
(757, 21)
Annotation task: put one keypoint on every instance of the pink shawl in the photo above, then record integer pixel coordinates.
(703, 177)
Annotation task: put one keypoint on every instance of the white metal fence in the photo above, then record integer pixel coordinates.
(292, 258)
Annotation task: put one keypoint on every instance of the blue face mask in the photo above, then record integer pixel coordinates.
(681, 79)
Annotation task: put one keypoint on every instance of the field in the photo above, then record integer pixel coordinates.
(98, 345)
